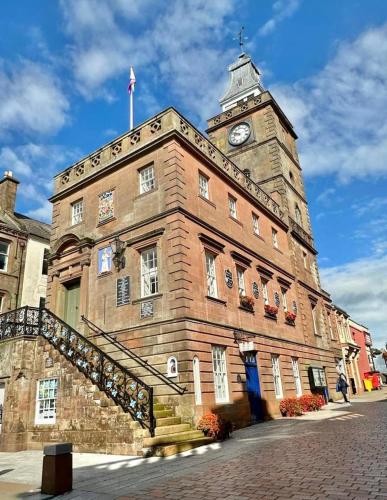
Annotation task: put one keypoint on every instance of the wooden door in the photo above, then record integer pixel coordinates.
(71, 306)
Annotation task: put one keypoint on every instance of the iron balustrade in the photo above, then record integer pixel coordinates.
(135, 357)
(117, 382)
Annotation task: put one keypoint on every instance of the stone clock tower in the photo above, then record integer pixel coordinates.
(254, 132)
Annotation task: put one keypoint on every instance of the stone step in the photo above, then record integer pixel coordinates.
(167, 450)
(161, 406)
(172, 429)
(163, 413)
(160, 422)
(172, 438)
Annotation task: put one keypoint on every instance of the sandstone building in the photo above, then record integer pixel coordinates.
(192, 253)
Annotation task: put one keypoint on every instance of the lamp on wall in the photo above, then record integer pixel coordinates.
(118, 248)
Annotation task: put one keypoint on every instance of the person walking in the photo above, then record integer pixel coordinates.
(342, 386)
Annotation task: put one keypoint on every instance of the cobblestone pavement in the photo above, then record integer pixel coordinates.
(342, 454)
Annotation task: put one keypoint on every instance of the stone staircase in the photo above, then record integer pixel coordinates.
(171, 435)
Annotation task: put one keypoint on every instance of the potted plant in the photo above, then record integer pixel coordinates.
(271, 311)
(247, 302)
(290, 317)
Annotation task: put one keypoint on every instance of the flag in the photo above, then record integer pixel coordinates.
(132, 81)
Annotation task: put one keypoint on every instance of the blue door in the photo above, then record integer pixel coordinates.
(252, 387)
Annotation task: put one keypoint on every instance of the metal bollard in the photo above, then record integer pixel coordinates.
(57, 474)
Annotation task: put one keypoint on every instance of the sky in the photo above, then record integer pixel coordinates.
(63, 93)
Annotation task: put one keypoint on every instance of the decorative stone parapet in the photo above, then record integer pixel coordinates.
(300, 232)
(163, 124)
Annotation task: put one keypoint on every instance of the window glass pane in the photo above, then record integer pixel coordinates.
(147, 179)
(149, 274)
(4, 246)
(220, 374)
(232, 207)
(255, 224)
(46, 401)
(276, 376)
(211, 275)
(203, 186)
(241, 282)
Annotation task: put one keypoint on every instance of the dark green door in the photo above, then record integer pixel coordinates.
(71, 308)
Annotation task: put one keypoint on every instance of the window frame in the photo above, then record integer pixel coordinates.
(144, 182)
(208, 255)
(305, 259)
(298, 214)
(297, 376)
(255, 222)
(274, 237)
(240, 272)
(206, 192)
(197, 380)
(265, 291)
(152, 272)
(275, 364)
(221, 390)
(232, 207)
(75, 214)
(314, 318)
(6, 255)
(39, 420)
(284, 299)
(2, 296)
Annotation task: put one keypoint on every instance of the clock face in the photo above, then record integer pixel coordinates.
(239, 134)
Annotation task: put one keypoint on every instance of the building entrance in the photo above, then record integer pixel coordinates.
(71, 303)
(253, 387)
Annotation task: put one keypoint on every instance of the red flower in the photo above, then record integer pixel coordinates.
(215, 426)
(291, 317)
(246, 301)
(272, 310)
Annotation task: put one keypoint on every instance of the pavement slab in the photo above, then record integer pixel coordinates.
(339, 452)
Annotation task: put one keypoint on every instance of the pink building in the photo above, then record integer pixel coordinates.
(362, 337)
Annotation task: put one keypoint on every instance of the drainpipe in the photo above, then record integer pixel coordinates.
(22, 245)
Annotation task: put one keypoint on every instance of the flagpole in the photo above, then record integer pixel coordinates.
(131, 110)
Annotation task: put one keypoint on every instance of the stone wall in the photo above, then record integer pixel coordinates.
(85, 416)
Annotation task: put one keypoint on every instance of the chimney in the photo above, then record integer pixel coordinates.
(8, 188)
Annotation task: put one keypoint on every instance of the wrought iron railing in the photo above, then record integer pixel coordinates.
(135, 357)
(118, 383)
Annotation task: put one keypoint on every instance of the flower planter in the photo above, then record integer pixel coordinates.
(246, 302)
(271, 311)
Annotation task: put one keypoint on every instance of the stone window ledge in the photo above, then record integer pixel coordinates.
(147, 299)
(215, 299)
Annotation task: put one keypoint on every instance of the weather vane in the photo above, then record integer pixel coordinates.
(241, 38)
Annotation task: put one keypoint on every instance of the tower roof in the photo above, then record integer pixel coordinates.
(244, 81)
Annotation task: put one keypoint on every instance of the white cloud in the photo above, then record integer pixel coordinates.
(282, 9)
(176, 50)
(337, 112)
(31, 99)
(35, 165)
(360, 287)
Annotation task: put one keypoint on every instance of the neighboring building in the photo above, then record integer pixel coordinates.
(198, 254)
(24, 244)
(362, 338)
(349, 364)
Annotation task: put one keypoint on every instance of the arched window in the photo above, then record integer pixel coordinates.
(291, 176)
(172, 370)
(197, 384)
(298, 214)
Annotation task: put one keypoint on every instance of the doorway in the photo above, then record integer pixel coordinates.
(252, 386)
(71, 303)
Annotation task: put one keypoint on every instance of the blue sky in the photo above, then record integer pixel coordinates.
(64, 73)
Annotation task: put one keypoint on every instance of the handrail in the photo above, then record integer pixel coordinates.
(117, 382)
(144, 363)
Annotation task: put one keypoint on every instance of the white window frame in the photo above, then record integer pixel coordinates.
(212, 288)
(1, 302)
(332, 335)
(232, 207)
(256, 224)
(149, 272)
(6, 255)
(76, 212)
(40, 419)
(147, 179)
(314, 307)
(265, 291)
(297, 377)
(203, 186)
(275, 363)
(197, 382)
(241, 281)
(274, 237)
(219, 367)
(284, 300)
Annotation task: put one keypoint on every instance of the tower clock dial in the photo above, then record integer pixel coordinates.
(239, 134)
